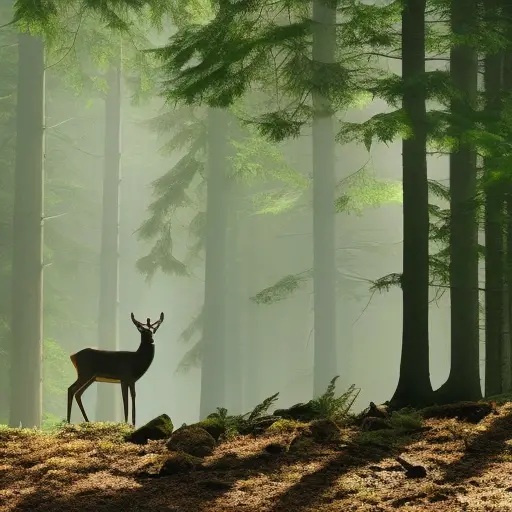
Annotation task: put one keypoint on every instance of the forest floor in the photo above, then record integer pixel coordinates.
(469, 467)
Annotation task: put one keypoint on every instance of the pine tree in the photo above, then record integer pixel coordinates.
(494, 233)
(414, 385)
(464, 378)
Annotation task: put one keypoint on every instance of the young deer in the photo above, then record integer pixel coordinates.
(123, 367)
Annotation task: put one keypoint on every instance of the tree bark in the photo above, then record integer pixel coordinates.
(214, 328)
(324, 219)
(494, 247)
(234, 309)
(464, 379)
(414, 387)
(27, 265)
(108, 404)
(507, 86)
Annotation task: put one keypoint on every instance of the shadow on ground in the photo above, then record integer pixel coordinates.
(226, 484)
(484, 449)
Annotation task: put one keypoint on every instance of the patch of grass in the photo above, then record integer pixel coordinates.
(105, 431)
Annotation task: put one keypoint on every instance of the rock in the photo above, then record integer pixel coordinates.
(192, 440)
(178, 464)
(214, 426)
(258, 426)
(158, 428)
(377, 411)
(302, 443)
(324, 431)
(371, 424)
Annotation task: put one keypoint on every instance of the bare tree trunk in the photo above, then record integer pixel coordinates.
(414, 387)
(214, 327)
(464, 379)
(324, 219)
(234, 310)
(108, 403)
(27, 265)
(494, 248)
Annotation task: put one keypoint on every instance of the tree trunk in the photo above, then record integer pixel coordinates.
(414, 387)
(464, 379)
(234, 309)
(27, 265)
(507, 86)
(108, 400)
(214, 327)
(494, 248)
(324, 219)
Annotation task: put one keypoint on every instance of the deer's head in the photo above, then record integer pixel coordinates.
(148, 329)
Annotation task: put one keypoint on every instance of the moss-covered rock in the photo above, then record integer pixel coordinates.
(371, 424)
(178, 464)
(192, 440)
(301, 444)
(285, 425)
(324, 431)
(214, 426)
(158, 428)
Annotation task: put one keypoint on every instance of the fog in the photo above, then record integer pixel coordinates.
(277, 339)
(371, 324)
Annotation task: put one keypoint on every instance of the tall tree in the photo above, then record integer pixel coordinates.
(324, 189)
(27, 265)
(507, 87)
(414, 385)
(494, 235)
(107, 406)
(214, 324)
(464, 378)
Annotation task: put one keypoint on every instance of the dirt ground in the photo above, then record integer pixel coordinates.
(469, 467)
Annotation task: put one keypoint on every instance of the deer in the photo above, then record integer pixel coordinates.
(118, 367)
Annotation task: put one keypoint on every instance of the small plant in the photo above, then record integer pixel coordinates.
(332, 407)
(241, 423)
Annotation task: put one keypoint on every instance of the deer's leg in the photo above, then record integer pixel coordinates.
(78, 396)
(124, 391)
(71, 393)
(132, 392)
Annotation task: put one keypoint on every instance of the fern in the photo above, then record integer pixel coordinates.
(332, 407)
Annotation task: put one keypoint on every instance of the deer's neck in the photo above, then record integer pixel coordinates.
(145, 355)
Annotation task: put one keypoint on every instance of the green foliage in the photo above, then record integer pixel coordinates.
(113, 13)
(332, 407)
(363, 190)
(242, 423)
(282, 289)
